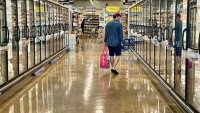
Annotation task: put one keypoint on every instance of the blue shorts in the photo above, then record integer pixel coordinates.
(115, 50)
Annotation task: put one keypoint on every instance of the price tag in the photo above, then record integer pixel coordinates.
(193, 54)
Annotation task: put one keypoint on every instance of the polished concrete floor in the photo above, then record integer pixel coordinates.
(76, 84)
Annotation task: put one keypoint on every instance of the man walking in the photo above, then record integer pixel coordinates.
(113, 39)
(179, 43)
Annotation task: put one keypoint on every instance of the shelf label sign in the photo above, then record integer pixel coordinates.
(112, 9)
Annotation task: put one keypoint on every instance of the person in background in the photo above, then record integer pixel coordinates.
(178, 41)
(82, 25)
(113, 39)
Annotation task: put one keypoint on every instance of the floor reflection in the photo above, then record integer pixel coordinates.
(76, 84)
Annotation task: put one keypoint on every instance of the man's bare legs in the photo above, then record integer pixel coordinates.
(114, 61)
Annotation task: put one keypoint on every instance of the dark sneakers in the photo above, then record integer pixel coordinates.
(114, 71)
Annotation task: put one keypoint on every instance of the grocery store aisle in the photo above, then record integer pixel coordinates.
(76, 84)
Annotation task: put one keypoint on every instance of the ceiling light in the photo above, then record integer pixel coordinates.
(91, 2)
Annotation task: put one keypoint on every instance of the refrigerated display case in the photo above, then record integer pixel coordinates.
(37, 31)
(159, 31)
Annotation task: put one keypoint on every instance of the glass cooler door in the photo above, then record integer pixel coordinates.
(63, 27)
(54, 29)
(24, 38)
(164, 18)
(59, 28)
(148, 23)
(136, 28)
(31, 33)
(155, 33)
(180, 59)
(3, 44)
(145, 31)
(48, 29)
(193, 61)
(170, 50)
(38, 38)
(51, 37)
(132, 25)
(66, 22)
(140, 29)
(56, 35)
(43, 29)
(14, 60)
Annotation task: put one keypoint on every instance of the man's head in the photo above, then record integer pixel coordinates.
(178, 16)
(117, 16)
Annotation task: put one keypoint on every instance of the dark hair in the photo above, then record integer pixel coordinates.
(178, 15)
(114, 16)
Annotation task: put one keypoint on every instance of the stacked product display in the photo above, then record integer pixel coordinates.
(75, 21)
(91, 24)
(34, 32)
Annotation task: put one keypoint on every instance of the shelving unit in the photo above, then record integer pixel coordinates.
(75, 21)
(91, 24)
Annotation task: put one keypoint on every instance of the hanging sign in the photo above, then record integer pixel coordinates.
(128, 2)
(65, 2)
(112, 9)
